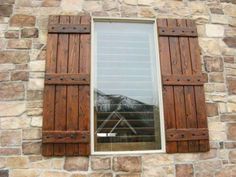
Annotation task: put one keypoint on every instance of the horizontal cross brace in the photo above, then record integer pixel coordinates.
(69, 28)
(184, 80)
(177, 31)
(187, 134)
(67, 79)
(65, 136)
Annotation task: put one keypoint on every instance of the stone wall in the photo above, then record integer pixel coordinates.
(23, 33)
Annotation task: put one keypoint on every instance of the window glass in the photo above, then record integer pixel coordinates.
(126, 106)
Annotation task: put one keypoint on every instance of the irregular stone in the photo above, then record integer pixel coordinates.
(229, 59)
(104, 174)
(7, 107)
(208, 155)
(5, 10)
(37, 121)
(58, 163)
(51, 3)
(17, 162)
(128, 175)
(208, 165)
(19, 44)
(4, 173)
(213, 64)
(20, 76)
(20, 20)
(216, 77)
(181, 157)
(36, 84)
(159, 171)
(10, 151)
(230, 145)
(34, 95)
(76, 164)
(232, 156)
(38, 65)
(230, 41)
(35, 112)
(217, 135)
(12, 34)
(44, 164)
(210, 46)
(212, 109)
(146, 12)
(71, 5)
(4, 76)
(231, 131)
(12, 91)
(32, 133)
(16, 57)
(92, 6)
(100, 163)
(129, 11)
(31, 148)
(231, 84)
(228, 118)
(2, 162)
(24, 3)
(127, 164)
(24, 173)
(79, 175)
(29, 33)
(185, 170)
(216, 11)
(214, 30)
(131, 2)
(230, 10)
(10, 138)
(110, 5)
(145, 2)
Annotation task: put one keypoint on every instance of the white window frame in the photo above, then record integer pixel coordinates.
(159, 86)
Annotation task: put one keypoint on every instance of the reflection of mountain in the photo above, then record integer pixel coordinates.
(121, 119)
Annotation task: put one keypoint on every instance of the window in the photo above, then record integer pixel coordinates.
(126, 87)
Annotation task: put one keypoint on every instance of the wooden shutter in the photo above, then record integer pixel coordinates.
(183, 92)
(67, 91)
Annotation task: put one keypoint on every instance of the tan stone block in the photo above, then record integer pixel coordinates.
(35, 158)
(17, 162)
(14, 122)
(37, 121)
(228, 118)
(184, 170)
(229, 10)
(131, 2)
(229, 59)
(2, 162)
(11, 138)
(23, 3)
(216, 126)
(76, 164)
(12, 34)
(24, 173)
(230, 71)
(79, 175)
(5, 10)
(145, 2)
(128, 175)
(12, 91)
(6, 67)
(102, 174)
(31, 148)
(231, 83)
(157, 159)
(92, 6)
(10, 151)
(34, 95)
(127, 164)
(232, 156)
(230, 42)
(212, 109)
(19, 44)
(71, 5)
(100, 163)
(44, 164)
(129, 11)
(16, 57)
(20, 75)
(146, 12)
(197, 8)
(35, 84)
(4, 76)
(217, 135)
(180, 157)
(210, 46)
(51, 3)
(231, 107)
(213, 64)
(216, 77)
(54, 174)
(29, 33)
(19, 20)
(58, 163)
(32, 133)
(204, 174)
(38, 65)
(208, 155)
(162, 171)
(231, 131)
(208, 165)
(214, 30)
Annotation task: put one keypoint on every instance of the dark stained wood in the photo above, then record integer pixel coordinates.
(67, 79)
(49, 90)
(183, 92)
(168, 92)
(187, 134)
(177, 31)
(184, 80)
(69, 28)
(65, 137)
(84, 91)
(67, 107)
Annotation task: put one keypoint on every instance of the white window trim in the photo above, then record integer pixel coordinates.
(159, 86)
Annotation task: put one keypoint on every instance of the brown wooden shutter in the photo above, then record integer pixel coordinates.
(183, 92)
(67, 91)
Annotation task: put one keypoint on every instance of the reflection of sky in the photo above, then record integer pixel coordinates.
(125, 60)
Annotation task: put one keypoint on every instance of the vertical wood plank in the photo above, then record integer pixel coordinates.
(178, 90)
(49, 90)
(84, 91)
(199, 90)
(73, 90)
(168, 97)
(61, 91)
(191, 121)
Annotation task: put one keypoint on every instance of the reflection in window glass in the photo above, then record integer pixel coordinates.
(126, 107)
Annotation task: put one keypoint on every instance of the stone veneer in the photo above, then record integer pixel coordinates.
(23, 33)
